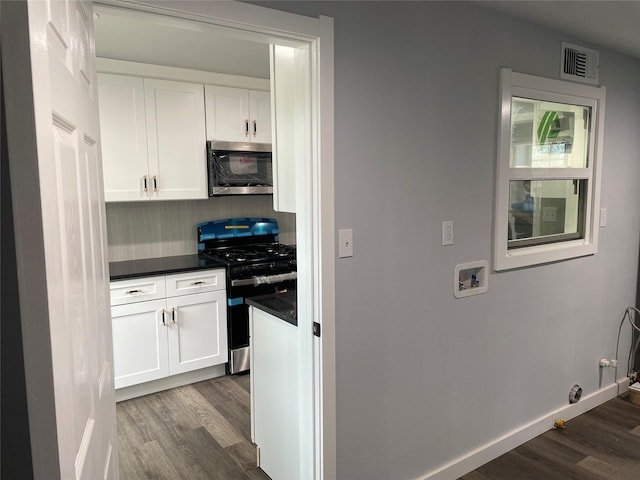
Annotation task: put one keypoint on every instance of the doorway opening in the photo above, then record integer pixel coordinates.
(311, 228)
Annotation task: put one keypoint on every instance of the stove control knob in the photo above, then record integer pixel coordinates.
(272, 265)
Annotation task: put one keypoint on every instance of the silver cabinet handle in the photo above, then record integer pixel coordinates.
(199, 282)
(145, 182)
(131, 292)
(246, 127)
(173, 316)
(163, 322)
(255, 128)
(155, 184)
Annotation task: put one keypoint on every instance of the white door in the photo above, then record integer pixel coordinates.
(176, 140)
(62, 198)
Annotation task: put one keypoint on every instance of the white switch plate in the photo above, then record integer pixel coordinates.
(447, 232)
(603, 217)
(345, 243)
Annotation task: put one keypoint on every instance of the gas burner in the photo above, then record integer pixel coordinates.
(252, 253)
(277, 250)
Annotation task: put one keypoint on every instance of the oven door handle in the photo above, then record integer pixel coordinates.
(264, 279)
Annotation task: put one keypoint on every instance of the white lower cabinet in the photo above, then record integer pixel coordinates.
(197, 320)
(184, 331)
(275, 394)
(140, 347)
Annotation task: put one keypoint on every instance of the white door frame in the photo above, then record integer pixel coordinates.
(315, 210)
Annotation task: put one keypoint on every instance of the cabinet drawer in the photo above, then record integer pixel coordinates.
(198, 281)
(137, 290)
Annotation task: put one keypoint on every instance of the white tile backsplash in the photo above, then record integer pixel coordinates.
(155, 229)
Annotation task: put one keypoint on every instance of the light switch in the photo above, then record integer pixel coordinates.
(345, 243)
(603, 217)
(447, 232)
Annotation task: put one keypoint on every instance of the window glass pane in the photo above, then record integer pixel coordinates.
(543, 211)
(548, 134)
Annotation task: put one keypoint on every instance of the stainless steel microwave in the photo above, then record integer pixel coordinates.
(239, 168)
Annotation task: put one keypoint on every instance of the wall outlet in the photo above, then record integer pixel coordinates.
(345, 243)
(549, 214)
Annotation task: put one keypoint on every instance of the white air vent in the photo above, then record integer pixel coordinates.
(579, 64)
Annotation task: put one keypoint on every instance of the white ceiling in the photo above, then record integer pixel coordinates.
(160, 40)
(609, 23)
(147, 38)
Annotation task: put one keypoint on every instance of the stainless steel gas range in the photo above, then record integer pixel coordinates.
(256, 264)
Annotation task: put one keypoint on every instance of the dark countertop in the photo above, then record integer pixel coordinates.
(147, 267)
(281, 305)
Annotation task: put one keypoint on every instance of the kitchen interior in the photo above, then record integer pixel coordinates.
(191, 225)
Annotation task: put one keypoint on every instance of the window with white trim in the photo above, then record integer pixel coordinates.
(548, 173)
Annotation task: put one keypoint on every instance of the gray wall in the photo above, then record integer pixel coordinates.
(423, 378)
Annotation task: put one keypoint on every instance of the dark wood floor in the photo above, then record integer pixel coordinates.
(200, 431)
(602, 444)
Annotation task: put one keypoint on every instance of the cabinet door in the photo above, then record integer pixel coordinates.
(176, 139)
(140, 352)
(260, 115)
(197, 331)
(124, 137)
(227, 114)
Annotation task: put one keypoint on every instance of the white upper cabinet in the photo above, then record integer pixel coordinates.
(290, 87)
(176, 139)
(238, 114)
(153, 137)
(260, 112)
(124, 136)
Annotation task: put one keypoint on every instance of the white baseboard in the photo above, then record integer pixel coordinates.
(478, 457)
(173, 381)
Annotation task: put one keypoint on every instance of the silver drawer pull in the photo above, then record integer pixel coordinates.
(199, 282)
(131, 292)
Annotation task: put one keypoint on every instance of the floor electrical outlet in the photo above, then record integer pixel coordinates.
(345, 243)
